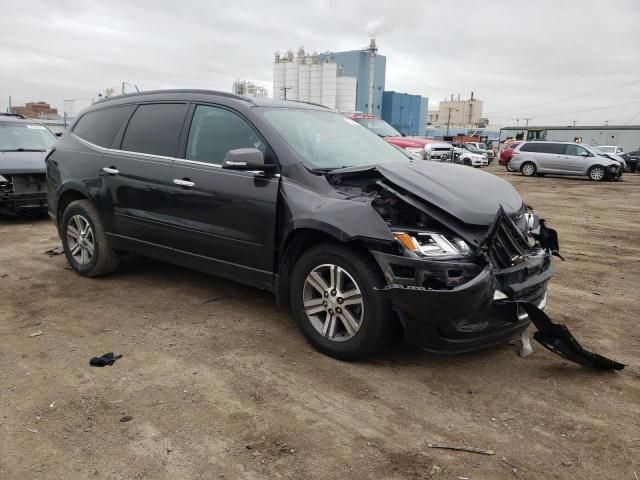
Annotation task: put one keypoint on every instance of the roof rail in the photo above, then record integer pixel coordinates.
(309, 103)
(180, 90)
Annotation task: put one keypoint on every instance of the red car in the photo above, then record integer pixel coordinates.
(507, 153)
(414, 146)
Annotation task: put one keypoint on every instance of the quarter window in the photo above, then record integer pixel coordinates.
(155, 129)
(215, 131)
(101, 126)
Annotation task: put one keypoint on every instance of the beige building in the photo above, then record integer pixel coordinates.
(458, 113)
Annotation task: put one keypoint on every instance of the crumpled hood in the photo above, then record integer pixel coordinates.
(472, 196)
(22, 162)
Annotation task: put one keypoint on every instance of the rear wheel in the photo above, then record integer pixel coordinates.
(597, 173)
(510, 168)
(528, 169)
(334, 302)
(85, 243)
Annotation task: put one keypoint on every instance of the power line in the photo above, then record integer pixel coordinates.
(565, 99)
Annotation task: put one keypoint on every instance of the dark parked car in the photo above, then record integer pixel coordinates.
(23, 143)
(301, 201)
(632, 160)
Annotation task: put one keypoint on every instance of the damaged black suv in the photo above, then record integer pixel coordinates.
(301, 201)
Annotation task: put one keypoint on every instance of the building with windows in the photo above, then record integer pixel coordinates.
(458, 113)
(36, 110)
(405, 112)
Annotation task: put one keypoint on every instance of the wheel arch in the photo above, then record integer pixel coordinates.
(301, 239)
(70, 194)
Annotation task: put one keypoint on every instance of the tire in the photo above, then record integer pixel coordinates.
(509, 167)
(597, 173)
(89, 253)
(467, 162)
(372, 322)
(528, 169)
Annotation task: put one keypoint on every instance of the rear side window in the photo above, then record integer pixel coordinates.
(530, 147)
(215, 131)
(101, 126)
(155, 129)
(556, 148)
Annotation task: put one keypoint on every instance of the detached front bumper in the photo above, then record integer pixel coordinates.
(470, 316)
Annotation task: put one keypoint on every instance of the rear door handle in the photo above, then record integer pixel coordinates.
(186, 183)
(111, 170)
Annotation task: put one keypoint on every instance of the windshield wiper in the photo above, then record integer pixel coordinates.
(24, 150)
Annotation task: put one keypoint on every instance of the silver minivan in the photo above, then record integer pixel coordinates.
(565, 158)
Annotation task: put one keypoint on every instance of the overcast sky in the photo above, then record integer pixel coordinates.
(513, 55)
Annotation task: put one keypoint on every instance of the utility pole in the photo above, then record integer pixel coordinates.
(517, 122)
(284, 89)
(9, 104)
(606, 123)
(527, 124)
(574, 122)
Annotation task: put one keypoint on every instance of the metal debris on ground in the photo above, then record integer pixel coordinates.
(36, 334)
(126, 418)
(483, 451)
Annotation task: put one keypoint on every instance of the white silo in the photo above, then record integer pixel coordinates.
(315, 84)
(329, 72)
(278, 80)
(291, 80)
(304, 82)
(346, 94)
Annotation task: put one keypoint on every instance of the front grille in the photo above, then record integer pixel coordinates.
(508, 246)
(28, 183)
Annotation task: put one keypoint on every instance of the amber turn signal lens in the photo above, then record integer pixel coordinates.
(406, 240)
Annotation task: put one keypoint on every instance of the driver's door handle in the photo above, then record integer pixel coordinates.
(184, 183)
(111, 170)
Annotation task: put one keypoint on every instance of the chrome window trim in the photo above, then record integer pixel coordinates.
(162, 157)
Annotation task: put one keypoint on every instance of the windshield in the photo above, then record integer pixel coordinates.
(327, 140)
(18, 136)
(379, 127)
(592, 149)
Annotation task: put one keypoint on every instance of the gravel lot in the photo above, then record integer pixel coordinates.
(219, 383)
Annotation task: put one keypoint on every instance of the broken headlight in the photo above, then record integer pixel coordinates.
(433, 244)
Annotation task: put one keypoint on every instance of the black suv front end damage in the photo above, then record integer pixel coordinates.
(457, 305)
(462, 279)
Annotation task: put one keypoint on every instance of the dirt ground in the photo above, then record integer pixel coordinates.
(220, 384)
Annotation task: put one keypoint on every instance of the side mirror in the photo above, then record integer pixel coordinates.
(246, 159)
(58, 134)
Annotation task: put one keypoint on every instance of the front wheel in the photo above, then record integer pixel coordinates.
(467, 162)
(335, 304)
(597, 173)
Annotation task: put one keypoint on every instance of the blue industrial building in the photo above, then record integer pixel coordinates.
(405, 112)
(355, 63)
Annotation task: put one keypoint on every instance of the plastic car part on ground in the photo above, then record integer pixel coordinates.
(557, 338)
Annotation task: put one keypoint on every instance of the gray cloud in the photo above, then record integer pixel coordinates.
(513, 55)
